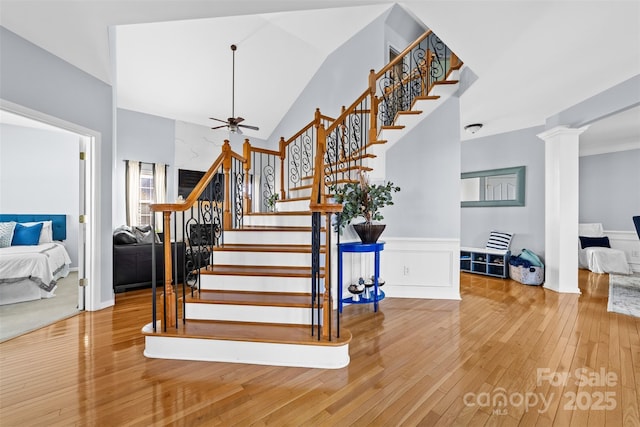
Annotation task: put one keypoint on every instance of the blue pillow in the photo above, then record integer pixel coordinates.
(586, 242)
(26, 236)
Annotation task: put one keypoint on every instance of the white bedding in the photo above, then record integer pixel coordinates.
(39, 266)
(603, 260)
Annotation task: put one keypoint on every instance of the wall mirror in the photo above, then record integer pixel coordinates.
(495, 187)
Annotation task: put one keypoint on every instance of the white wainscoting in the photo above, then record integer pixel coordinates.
(628, 242)
(411, 268)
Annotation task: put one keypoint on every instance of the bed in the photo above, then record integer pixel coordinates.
(31, 265)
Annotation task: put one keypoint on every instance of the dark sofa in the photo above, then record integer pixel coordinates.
(132, 265)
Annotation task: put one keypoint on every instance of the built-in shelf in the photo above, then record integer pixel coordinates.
(489, 262)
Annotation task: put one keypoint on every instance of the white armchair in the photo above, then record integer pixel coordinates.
(594, 253)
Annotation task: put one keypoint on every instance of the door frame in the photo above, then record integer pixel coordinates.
(91, 246)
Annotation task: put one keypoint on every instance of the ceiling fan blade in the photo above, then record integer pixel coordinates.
(238, 120)
(223, 121)
(249, 127)
(219, 127)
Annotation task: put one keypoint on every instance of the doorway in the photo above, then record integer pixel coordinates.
(78, 219)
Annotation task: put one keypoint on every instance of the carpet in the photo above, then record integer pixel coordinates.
(624, 294)
(20, 318)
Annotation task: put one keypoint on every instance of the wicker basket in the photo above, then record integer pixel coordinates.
(527, 275)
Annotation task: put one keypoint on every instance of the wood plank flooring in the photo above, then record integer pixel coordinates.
(552, 359)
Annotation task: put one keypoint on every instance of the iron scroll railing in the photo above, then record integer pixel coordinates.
(191, 230)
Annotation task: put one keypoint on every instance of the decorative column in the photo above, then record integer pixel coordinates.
(561, 208)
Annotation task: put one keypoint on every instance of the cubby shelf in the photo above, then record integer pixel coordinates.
(490, 262)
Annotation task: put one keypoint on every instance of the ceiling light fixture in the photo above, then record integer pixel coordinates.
(473, 128)
(233, 123)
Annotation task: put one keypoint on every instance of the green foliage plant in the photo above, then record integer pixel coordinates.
(362, 199)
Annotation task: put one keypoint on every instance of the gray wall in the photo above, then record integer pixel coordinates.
(613, 100)
(46, 183)
(426, 166)
(610, 189)
(519, 148)
(145, 138)
(35, 79)
(343, 76)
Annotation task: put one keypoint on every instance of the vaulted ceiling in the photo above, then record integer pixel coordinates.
(171, 58)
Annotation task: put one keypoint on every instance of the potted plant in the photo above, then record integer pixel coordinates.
(362, 199)
(271, 202)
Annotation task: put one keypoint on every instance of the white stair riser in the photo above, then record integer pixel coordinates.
(263, 258)
(259, 353)
(278, 220)
(250, 313)
(269, 237)
(293, 206)
(255, 283)
(304, 192)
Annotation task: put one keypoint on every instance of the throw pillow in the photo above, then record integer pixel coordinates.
(6, 233)
(124, 237)
(46, 235)
(499, 240)
(144, 234)
(26, 236)
(587, 242)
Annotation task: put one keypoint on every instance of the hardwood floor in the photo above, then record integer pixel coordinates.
(558, 359)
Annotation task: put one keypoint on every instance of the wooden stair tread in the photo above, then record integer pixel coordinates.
(259, 270)
(252, 247)
(250, 331)
(277, 299)
(392, 127)
(410, 112)
(446, 82)
(427, 97)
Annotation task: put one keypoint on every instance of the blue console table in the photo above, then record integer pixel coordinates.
(360, 248)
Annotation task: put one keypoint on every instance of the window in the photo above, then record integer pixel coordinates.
(147, 193)
(146, 185)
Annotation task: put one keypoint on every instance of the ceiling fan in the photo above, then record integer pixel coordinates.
(233, 123)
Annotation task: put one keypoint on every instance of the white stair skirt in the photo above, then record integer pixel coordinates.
(258, 353)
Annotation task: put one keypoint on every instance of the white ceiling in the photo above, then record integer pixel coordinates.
(533, 59)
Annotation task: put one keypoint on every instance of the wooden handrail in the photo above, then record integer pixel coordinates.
(264, 151)
(402, 54)
(192, 199)
(347, 111)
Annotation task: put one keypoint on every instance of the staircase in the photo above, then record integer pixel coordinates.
(258, 284)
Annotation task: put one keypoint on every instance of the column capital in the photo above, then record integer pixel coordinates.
(561, 131)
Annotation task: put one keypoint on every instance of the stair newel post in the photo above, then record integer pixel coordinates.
(327, 301)
(454, 62)
(373, 116)
(169, 296)
(226, 204)
(317, 121)
(282, 149)
(246, 152)
(425, 91)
